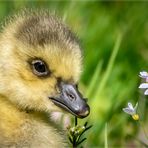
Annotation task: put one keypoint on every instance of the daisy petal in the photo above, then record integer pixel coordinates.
(143, 74)
(143, 85)
(130, 106)
(146, 92)
(128, 111)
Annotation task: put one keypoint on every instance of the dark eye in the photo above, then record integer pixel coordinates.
(39, 68)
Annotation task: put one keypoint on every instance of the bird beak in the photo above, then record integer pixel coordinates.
(71, 100)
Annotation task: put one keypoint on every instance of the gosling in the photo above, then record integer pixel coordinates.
(40, 66)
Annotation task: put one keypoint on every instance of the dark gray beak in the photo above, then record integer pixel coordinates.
(71, 100)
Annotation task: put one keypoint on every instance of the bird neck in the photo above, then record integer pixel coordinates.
(33, 127)
(10, 110)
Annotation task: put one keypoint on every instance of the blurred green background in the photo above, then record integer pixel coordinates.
(114, 38)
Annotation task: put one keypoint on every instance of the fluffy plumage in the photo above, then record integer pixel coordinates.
(24, 96)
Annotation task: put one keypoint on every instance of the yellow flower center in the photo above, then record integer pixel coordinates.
(135, 117)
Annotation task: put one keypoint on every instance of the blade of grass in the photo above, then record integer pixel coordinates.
(109, 67)
(105, 137)
(108, 71)
(103, 82)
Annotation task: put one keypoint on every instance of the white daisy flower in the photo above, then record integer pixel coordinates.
(144, 75)
(132, 111)
(144, 86)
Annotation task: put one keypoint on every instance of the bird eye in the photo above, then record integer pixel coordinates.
(39, 68)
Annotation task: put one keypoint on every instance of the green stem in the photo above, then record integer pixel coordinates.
(105, 136)
(74, 138)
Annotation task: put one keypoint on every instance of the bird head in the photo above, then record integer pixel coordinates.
(41, 64)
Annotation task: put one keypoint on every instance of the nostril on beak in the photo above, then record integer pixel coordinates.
(71, 96)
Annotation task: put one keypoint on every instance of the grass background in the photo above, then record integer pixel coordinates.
(114, 37)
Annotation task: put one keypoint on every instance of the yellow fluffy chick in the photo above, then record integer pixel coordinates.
(40, 65)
